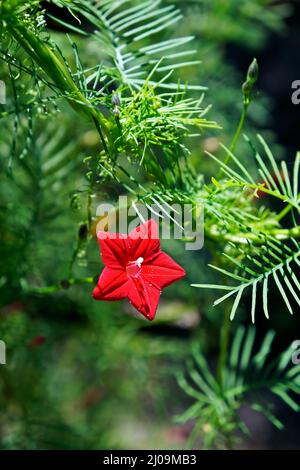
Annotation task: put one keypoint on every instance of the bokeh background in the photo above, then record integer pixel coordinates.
(87, 375)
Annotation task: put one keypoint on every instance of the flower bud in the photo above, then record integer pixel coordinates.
(246, 88)
(252, 73)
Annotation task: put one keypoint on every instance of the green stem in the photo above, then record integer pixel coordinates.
(236, 136)
(65, 284)
(224, 336)
(238, 132)
(285, 211)
(54, 67)
(98, 127)
(224, 343)
(240, 237)
(262, 188)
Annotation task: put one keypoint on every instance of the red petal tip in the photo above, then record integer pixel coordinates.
(97, 293)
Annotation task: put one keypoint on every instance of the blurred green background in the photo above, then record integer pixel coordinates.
(82, 374)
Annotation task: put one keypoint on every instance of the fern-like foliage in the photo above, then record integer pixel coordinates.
(121, 27)
(261, 250)
(253, 267)
(42, 181)
(274, 180)
(144, 118)
(250, 373)
(121, 95)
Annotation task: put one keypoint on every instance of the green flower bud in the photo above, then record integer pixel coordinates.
(246, 89)
(252, 73)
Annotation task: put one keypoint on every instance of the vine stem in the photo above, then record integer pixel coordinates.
(64, 284)
(284, 212)
(224, 343)
(225, 331)
(54, 67)
(98, 127)
(263, 189)
(244, 238)
(236, 136)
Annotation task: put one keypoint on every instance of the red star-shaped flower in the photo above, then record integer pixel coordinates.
(135, 268)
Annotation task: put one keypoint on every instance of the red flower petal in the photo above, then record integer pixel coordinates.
(162, 271)
(135, 267)
(143, 241)
(144, 296)
(113, 247)
(113, 284)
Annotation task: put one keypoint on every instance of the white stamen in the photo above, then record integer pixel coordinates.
(139, 261)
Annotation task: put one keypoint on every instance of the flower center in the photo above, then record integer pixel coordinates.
(133, 268)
